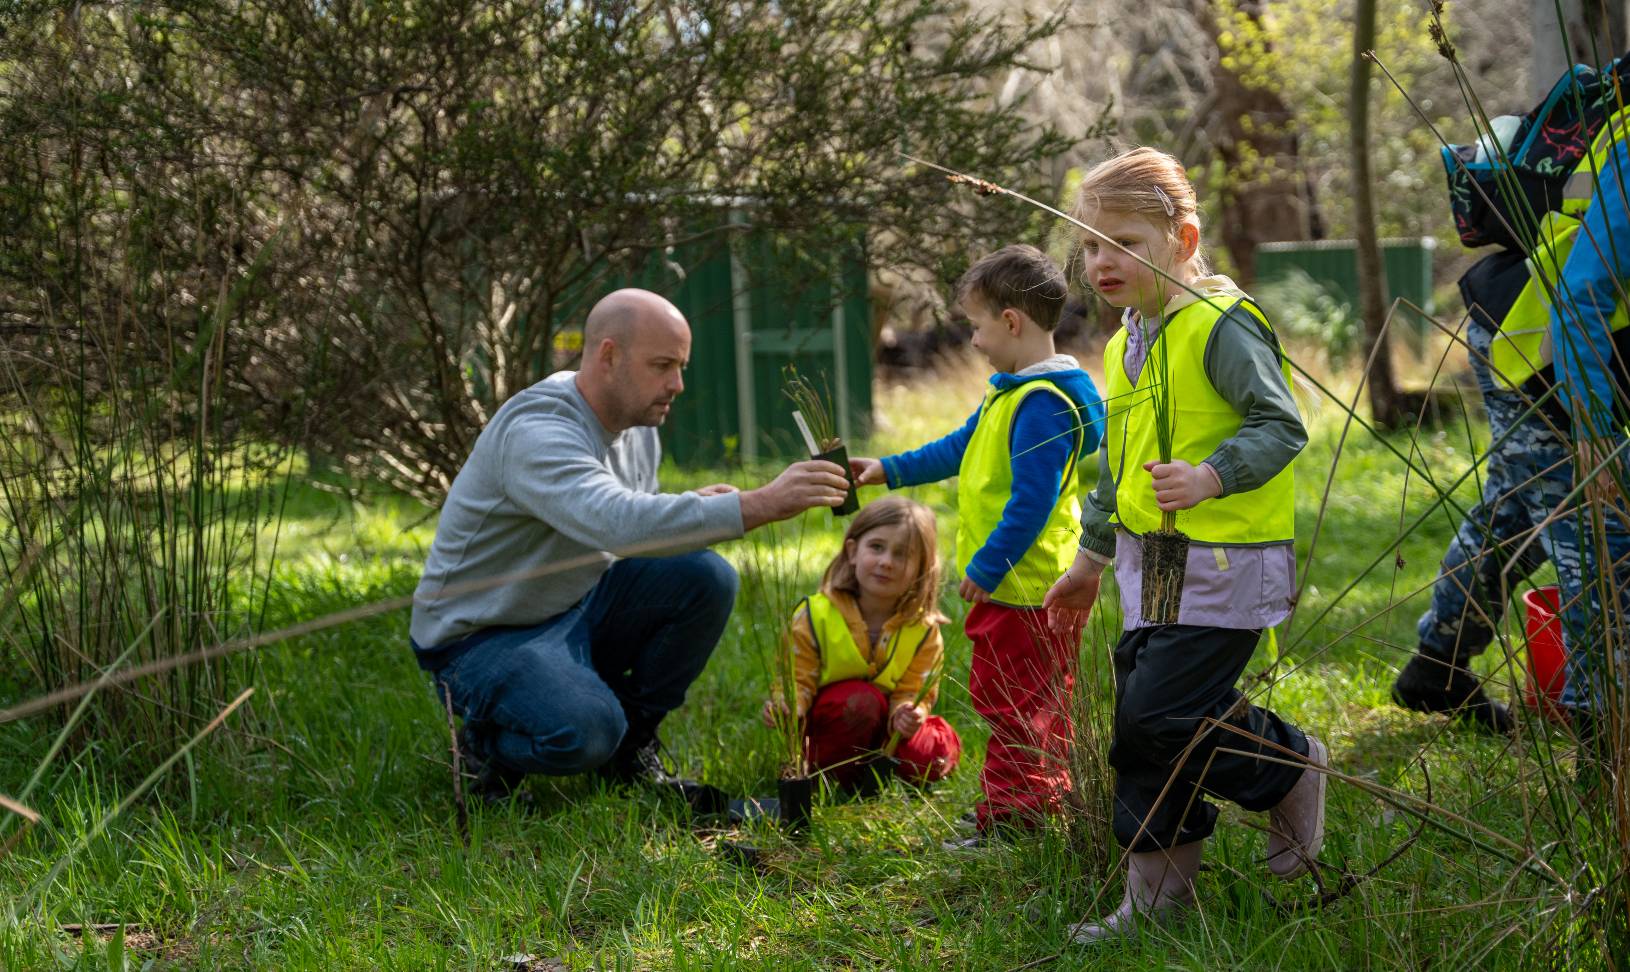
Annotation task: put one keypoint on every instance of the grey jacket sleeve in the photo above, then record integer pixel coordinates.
(551, 470)
(1242, 361)
(1097, 533)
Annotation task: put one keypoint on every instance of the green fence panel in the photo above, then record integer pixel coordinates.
(805, 313)
(1407, 264)
(703, 429)
(757, 301)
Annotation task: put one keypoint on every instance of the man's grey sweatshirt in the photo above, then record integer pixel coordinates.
(546, 502)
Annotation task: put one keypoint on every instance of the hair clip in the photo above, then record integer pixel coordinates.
(1165, 201)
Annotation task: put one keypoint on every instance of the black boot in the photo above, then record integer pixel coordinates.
(485, 779)
(638, 762)
(1428, 684)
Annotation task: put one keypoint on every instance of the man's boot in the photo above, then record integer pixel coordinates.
(1159, 885)
(638, 761)
(1430, 684)
(485, 779)
(1296, 825)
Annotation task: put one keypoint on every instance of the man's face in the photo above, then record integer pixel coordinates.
(649, 372)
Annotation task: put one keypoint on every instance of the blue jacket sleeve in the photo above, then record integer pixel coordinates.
(933, 462)
(1044, 436)
(1587, 294)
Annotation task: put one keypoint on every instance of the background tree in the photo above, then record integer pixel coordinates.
(433, 186)
(1386, 406)
(1588, 32)
(1169, 96)
(1265, 194)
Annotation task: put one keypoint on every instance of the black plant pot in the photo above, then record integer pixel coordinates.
(873, 775)
(1165, 562)
(840, 455)
(797, 800)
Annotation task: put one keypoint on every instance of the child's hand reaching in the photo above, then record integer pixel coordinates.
(1180, 486)
(775, 712)
(868, 472)
(1069, 601)
(907, 719)
(972, 592)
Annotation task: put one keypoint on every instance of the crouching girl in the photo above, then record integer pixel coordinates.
(867, 650)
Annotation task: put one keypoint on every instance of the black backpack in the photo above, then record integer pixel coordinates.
(1499, 200)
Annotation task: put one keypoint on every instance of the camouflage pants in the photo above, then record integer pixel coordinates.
(1528, 476)
(1482, 563)
(1591, 547)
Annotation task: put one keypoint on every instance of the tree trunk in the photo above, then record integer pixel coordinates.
(1590, 32)
(1266, 196)
(1386, 406)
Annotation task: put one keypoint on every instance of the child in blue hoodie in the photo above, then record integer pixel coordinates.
(1020, 479)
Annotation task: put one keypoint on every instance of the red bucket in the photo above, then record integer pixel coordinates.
(1547, 675)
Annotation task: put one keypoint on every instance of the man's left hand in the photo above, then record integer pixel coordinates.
(972, 592)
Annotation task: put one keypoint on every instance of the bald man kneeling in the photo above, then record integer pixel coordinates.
(567, 604)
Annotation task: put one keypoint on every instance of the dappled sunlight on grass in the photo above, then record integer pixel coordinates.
(327, 519)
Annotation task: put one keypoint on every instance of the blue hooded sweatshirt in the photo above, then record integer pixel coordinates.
(1589, 366)
(1042, 438)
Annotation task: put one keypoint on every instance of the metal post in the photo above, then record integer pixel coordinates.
(840, 364)
(741, 306)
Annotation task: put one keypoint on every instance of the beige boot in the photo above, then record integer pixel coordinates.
(1296, 825)
(1158, 884)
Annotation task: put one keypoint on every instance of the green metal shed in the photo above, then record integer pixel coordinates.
(1407, 264)
(763, 301)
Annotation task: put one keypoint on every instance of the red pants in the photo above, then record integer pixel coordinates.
(1021, 682)
(849, 720)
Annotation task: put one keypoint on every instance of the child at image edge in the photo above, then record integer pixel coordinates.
(1017, 460)
(1236, 430)
(880, 592)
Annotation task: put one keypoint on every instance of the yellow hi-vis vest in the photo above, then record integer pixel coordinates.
(841, 658)
(1201, 421)
(985, 484)
(1523, 345)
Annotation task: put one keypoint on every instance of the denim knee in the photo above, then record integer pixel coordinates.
(587, 739)
(711, 578)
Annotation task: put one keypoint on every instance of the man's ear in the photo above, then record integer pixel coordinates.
(1014, 319)
(606, 353)
(1188, 242)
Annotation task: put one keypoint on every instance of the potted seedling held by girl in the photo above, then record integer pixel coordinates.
(1166, 550)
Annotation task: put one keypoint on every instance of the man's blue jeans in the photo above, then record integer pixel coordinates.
(558, 697)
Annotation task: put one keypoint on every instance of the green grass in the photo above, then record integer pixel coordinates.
(326, 839)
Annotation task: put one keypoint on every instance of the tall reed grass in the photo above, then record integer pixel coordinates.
(138, 522)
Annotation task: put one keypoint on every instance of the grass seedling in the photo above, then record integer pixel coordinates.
(811, 411)
(813, 416)
(1165, 551)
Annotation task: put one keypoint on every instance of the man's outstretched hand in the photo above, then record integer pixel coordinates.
(802, 485)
